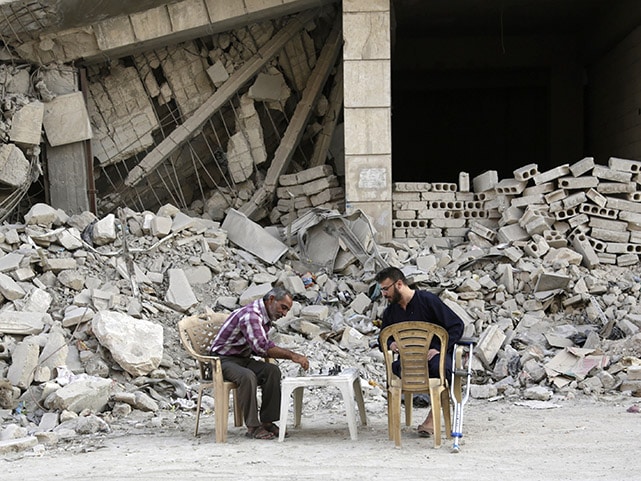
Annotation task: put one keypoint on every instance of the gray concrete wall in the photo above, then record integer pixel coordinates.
(367, 111)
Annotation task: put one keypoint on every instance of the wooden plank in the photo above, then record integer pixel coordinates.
(235, 82)
(298, 122)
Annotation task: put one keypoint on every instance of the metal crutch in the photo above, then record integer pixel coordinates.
(459, 398)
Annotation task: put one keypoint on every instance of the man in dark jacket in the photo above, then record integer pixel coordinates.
(407, 304)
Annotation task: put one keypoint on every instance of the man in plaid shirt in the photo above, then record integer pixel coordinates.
(245, 334)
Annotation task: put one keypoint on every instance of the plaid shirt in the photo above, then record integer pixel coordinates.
(244, 332)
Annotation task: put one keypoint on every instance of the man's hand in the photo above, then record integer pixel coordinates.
(302, 360)
(431, 353)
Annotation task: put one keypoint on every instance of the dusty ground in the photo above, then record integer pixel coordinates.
(580, 439)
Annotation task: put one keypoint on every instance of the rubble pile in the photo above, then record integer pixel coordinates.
(89, 310)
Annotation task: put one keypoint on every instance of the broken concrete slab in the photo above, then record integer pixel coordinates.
(66, 120)
(26, 124)
(252, 237)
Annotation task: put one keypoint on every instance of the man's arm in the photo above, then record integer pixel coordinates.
(281, 353)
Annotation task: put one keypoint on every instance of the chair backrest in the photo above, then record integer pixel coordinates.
(413, 339)
(197, 332)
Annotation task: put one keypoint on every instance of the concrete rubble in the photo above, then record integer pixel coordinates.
(89, 311)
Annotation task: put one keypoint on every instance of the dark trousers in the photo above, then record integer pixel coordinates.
(249, 374)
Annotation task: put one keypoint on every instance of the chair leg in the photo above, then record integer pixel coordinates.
(447, 415)
(221, 412)
(409, 400)
(396, 415)
(390, 414)
(435, 401)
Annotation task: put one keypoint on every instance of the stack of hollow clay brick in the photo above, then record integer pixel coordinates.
(300, 192)
(590, 208)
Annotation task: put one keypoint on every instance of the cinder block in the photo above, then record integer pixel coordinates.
(612, 175)
(616, 188)
(538, 224)
(314, 173)
(596, 197)
(582, 166)
(621, 204)
(536, 247)
(445, 223)
(598, 211)
(624, 165)
(443, 187)
(633, 196)
(489, 344)
(578, 182)
(412, 187)
(555, 196)
(428, 196)
(511, 215)
(566, 213)
(583, 247)
(555, 239)
(406, 196)
(633, 217)
(512, 233)
(574, 200)
(483, 231)
(610, 235)
(605, 258)
(552, 174)
(510, 187)
(524, 201)
(526, 172)
(543, 188)
(615, 225)
(464, 182)
(485, 181)
(623, 248)
(578, 220)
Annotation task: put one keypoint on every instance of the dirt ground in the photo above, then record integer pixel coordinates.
(580, 439)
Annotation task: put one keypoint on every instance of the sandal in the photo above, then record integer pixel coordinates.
(259, 433)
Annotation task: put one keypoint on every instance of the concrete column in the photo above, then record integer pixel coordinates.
(67, 161)
(367, 112)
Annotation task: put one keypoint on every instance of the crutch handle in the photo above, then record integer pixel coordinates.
(467, 341)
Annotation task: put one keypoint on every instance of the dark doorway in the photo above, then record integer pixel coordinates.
(444, 127)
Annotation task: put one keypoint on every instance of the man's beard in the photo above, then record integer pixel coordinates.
(396, 297)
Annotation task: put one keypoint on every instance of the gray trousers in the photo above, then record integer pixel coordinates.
(249, 374)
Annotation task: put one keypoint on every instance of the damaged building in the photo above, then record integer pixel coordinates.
(152, 150)
(207, 106)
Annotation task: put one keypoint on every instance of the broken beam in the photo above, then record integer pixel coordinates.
(296, 127)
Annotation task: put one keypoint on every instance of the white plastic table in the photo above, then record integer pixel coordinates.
(347, 381)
